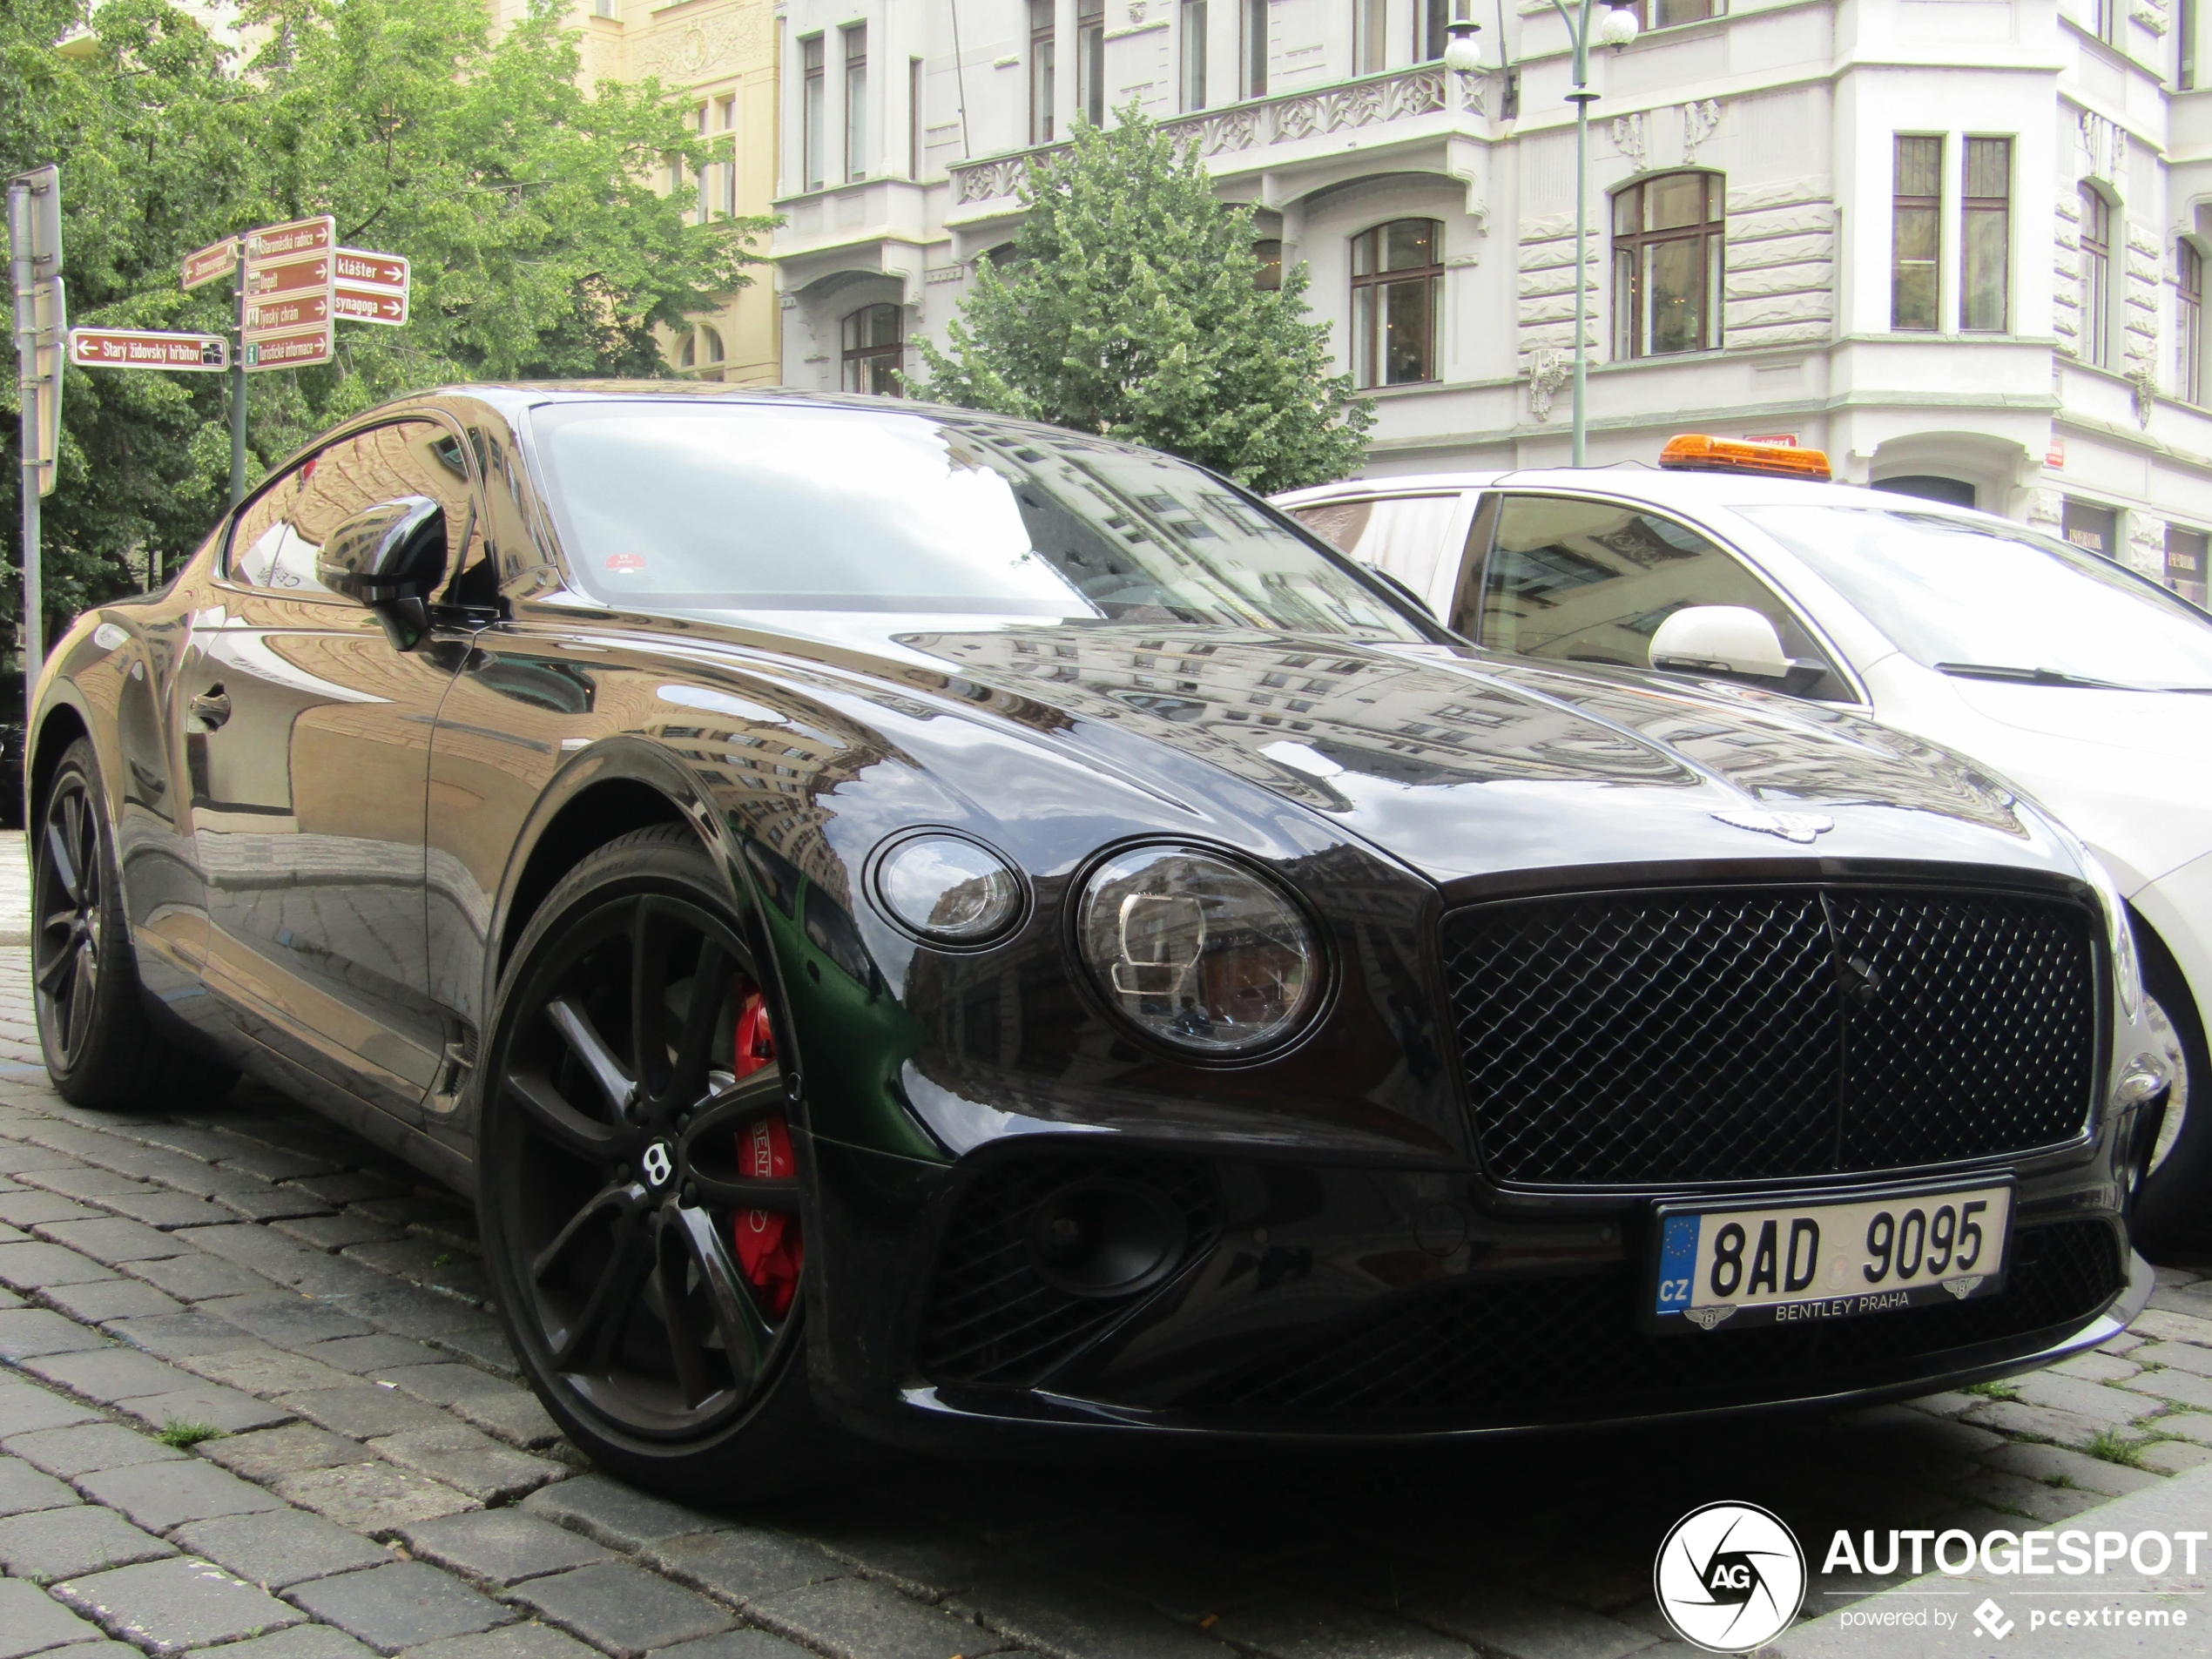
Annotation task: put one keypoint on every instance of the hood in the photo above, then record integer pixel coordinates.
(1461, 766)
(2123, 770)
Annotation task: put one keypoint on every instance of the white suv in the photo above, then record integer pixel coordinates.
(2086, 686)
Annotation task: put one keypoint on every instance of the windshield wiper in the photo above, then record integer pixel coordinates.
(2049, 677)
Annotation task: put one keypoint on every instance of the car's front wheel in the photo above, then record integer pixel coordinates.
(100, 1047)
(2174, 1207)
(639, 1203)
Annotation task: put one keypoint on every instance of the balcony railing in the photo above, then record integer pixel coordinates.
(1372, 101)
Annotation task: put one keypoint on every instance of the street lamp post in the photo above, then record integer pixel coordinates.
(1616, 28)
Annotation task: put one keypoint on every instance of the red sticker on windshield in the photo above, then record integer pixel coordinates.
(624, 563)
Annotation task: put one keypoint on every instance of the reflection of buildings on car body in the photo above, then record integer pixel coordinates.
(1961, 246)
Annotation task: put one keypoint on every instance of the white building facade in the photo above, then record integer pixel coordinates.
(1958, 244)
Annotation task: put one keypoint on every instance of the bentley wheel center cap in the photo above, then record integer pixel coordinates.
(660, 1164)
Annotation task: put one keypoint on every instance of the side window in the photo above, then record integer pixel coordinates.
(1407, 535)
(1590, 582)
(283, 528)
(266, 552)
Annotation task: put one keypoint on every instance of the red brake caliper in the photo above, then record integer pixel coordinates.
(770, 1249)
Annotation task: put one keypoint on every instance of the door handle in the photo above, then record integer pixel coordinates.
(211, 708)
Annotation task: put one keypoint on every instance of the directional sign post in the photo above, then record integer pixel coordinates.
(35, 251)
(285, 317)
(144, 348)
(371, 287)
(294, 284)
(216, 260)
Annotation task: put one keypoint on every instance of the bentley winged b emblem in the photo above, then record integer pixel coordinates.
(1800, 827)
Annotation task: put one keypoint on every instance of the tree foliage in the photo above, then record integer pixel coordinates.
(541, 245)
(1130, 310)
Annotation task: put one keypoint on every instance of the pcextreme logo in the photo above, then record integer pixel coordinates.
(1729, 1577)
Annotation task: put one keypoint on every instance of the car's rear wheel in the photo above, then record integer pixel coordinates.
(2173, 1206)
(639, 1203)
(100, 1047)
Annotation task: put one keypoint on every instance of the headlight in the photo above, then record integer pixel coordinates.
(949, 889)
(1197, 951)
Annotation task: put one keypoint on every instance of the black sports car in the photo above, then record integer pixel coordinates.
(912, 922)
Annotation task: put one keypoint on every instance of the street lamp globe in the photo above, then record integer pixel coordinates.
(1462, 54)
(1618, 28)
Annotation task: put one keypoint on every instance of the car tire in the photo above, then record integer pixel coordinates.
(599, 1215)
(2173, 1205)
(100, 1045)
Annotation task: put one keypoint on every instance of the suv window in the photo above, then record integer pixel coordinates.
(1404, 535)
(281, 530)
(1591, 581)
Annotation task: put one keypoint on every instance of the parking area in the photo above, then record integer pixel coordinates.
(253, 1395)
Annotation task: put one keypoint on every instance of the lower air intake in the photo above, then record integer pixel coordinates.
(1539, 1349)
(993, 1317)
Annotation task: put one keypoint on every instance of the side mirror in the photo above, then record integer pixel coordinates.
(1720, 639)
(390, 558)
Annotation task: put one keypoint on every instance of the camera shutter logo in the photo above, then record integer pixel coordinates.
(1729, 1577)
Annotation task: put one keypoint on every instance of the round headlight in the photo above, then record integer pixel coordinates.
(1198, 951)
(949, 889)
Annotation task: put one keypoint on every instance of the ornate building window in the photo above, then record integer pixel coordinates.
(873, 351)
(1397, 302)
(1252, 40)
(1044, 53)
(1090, 60)
(1668, 263)
(1665, 14)
(1429, 33)
(1916, 210)
(1368, 17)
(1986, 236)
(856, 102)
(2188, 323)
(1193, 75)
(812, 102)
(2096, 277)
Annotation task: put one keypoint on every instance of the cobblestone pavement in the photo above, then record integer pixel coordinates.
(251, 1398)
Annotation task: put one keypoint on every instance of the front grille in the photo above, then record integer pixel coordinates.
(1732, 1035)
(1539, 1349)
(991, 1318)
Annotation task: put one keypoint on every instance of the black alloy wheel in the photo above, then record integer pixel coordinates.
(68, 897)
(100, 1047)
(641, 1207)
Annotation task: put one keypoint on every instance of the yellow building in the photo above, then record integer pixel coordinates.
(721, 55)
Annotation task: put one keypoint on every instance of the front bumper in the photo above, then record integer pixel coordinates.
(1336, 1304)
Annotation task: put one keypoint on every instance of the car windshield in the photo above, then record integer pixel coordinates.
(761, 506)
(1985, 599)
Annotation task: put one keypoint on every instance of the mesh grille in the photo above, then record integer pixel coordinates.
(991, 1318)
(1703, 1035)
(1543, 1348)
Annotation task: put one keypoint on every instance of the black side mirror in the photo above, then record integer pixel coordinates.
(390, 558)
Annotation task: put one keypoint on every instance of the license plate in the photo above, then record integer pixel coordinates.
(1758, 1263)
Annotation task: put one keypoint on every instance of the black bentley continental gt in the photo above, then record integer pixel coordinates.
(916, 925)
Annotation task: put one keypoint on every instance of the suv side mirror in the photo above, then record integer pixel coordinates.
(390, 558)
(1720, 639)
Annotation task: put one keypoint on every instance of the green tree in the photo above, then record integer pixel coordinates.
(542, 248)
(1130, 310)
